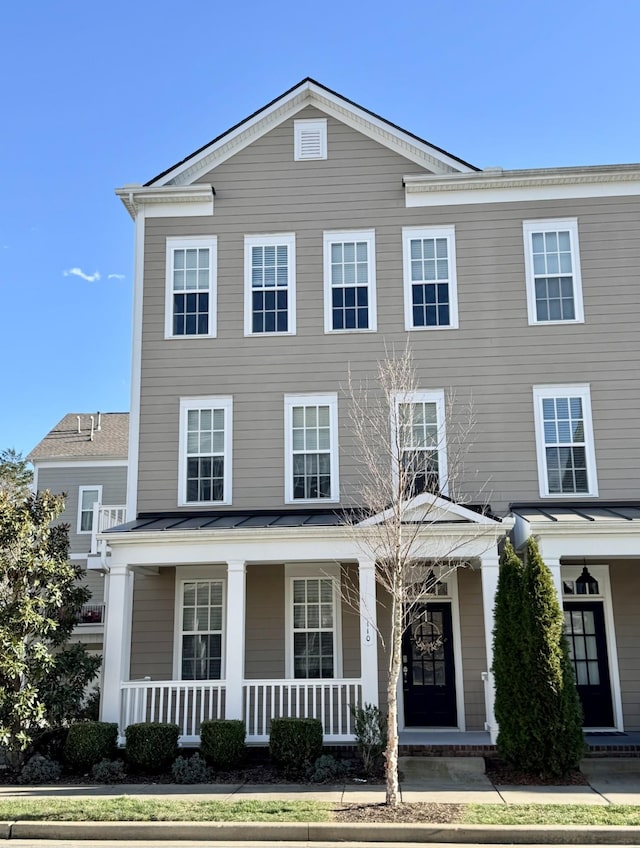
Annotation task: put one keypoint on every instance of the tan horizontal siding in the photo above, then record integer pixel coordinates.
(472, 640)
(625, 591)
(153, 626)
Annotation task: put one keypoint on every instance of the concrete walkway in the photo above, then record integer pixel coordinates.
(441, 780)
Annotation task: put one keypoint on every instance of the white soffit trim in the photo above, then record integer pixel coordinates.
(497, 186)
(309, 94)
(443, 510)
(66, 462)
(167, 201)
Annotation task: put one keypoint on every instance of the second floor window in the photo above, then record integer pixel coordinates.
(564, 435)
(552, 269)
(205, 451)
(190, 289)
(430, 287)
(88, 496)
(349, 281)
(311, 452)
(419, 420)
(269, 284)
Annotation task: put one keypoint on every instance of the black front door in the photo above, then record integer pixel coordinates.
(428, 668)
(584, 626)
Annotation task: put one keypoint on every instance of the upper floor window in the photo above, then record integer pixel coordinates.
(349, 281)
(430, 287)
(552, 270)
(310, 139)
(270, 279)
(311, 448)
(87, 497)
(420, 425)
(191, 287)
(564, 440)
(204, 466)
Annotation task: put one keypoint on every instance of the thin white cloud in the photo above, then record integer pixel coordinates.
(115, 277)
(78, 272)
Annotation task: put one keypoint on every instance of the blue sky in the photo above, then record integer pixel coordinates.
(99, 94)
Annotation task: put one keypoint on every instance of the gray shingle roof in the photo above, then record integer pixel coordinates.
(65, 442)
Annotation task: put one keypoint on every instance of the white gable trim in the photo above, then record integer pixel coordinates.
(452, 510)
(310, 94)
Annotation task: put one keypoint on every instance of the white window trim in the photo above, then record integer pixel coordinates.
(317, 124)
(288, 239)
(226, 404)
(184, 575)
(449, 233)
(82, 489)
(552, 225)
(185, 243)
(427, 396)
(314, 570)
(582, 391)
(329, 399)
(368, 236)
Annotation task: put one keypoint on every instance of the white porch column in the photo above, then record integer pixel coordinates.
(368, 631)
(117, 640)
(489, 570)
(234, 651)
(553, 564)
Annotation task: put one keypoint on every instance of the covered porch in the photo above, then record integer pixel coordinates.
(257, 616)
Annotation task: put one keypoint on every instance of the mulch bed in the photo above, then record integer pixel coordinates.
(501, 774)
(402, 814)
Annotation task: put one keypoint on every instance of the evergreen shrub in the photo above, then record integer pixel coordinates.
(151, 746)
(222, 742)
(89, 742)
(295, 743)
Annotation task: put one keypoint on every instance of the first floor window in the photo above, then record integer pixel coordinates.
(430, 278)
(313, 627)
(419, 420)
(201, 651)
(311, 449)
(205, 456)
(552, 269)
(349, 272)
(191, 277)
(565, 440)
(87, 497)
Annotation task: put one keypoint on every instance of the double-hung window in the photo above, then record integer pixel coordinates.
(430, 285)
(204, 466)
(349, 281)
(270, 284)
(313, 621)
(564, 439)
(87, 497)
(201, 612)
(191, 287)
(418, 430)
(552, 270)
(311, 448)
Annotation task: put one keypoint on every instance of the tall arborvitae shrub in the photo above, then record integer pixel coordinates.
(553, 713)
(512, 687)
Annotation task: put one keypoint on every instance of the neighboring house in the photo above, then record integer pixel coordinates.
(85, 457)
(296, 247)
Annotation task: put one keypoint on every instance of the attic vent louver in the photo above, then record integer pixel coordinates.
(310, 139)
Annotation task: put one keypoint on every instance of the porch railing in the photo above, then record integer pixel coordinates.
(105, 517)
(91, 613)
(189, 703)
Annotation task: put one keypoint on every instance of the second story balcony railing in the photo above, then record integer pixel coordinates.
(91, 613)
(104, 517)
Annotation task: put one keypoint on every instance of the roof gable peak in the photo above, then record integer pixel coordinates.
(309, 92)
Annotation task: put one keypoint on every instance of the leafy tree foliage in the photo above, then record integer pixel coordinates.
(537, 701)
(42, 679)
(15, 474)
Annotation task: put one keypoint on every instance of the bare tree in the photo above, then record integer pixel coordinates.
(404, 473)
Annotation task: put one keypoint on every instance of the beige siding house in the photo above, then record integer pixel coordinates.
(272, 266)
(84, 457)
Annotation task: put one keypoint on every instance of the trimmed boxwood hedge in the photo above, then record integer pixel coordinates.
(295, 743)
(151, 746)
(222, 742)
(89, 742)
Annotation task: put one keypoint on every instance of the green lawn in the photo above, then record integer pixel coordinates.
(136, 809)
